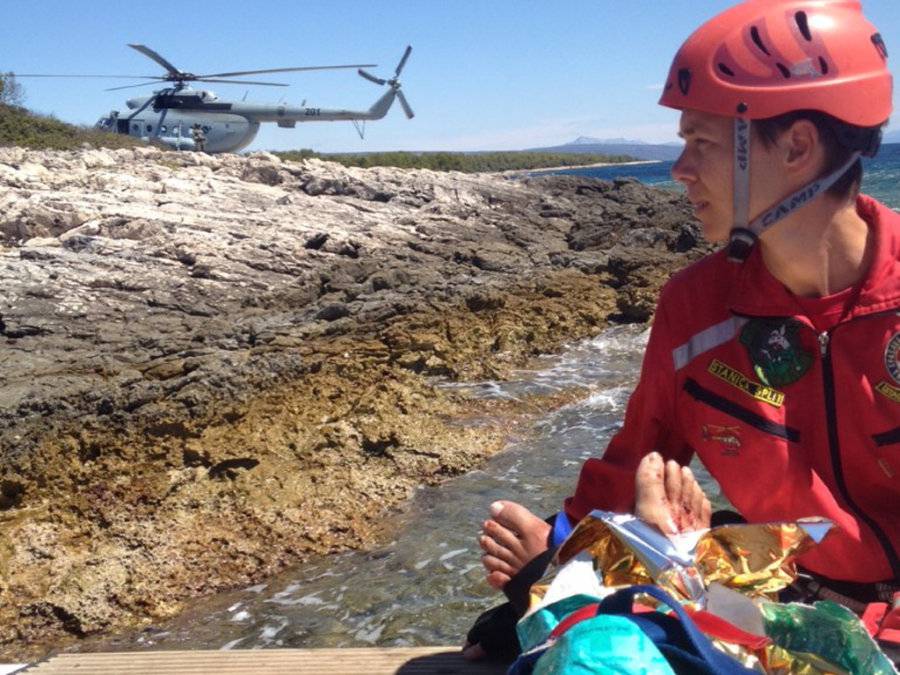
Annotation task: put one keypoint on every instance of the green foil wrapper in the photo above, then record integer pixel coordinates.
(824, 631)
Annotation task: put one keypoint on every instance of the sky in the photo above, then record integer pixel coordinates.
(483, 74)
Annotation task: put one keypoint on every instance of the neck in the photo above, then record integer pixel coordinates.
(820, 250)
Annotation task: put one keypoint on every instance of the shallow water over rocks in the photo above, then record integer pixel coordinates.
(426, 586)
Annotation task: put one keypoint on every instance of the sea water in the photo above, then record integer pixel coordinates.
(881, 174)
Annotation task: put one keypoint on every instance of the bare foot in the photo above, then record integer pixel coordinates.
(667, 495)
(510, 538)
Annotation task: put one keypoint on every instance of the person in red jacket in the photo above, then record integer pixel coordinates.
(775, 360)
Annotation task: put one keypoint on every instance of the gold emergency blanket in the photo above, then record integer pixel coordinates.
(757, 560)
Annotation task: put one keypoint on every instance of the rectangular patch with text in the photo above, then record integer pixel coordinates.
(889, 390)
(737, 379)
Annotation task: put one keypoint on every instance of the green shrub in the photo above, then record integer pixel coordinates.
(21, 127)
(460, 161)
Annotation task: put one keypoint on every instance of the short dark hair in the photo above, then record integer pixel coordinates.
(840, 140)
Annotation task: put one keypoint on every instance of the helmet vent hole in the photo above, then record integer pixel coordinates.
(803, 25)
(784, 70)
(684, 80)
(757, 40)
(725, 69)
(823, 65)
(878, 41)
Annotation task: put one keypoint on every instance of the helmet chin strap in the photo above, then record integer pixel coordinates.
(743, 233)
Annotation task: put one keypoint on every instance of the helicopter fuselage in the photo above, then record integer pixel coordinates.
(228, 126)
(223, 132)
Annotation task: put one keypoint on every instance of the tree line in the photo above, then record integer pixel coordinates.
(458, 161)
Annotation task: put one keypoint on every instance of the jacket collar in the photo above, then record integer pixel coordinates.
(757, 293)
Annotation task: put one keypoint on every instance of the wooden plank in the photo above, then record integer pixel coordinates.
(367, 661)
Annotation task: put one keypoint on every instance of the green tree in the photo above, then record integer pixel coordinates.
(11, 92)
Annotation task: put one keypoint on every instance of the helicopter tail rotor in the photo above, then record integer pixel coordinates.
(403, 104)
(394, 82)
(402, 61)
(370, 77)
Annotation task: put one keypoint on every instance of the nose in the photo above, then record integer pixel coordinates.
(683, 169)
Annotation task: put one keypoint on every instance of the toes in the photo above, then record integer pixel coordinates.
(705, 518)
(674, 494)
(504, 538)
(696, 506)
(651, 502)
(498, 580)
(492, 548)
(495, 565)
(649, 484)
(650, 471)
(673, 482)
(691, 497)
(518, 529)
(513, 517)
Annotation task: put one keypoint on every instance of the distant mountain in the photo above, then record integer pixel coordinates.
(618, 146)
(590, 140)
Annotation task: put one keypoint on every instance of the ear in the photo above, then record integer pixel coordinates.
(801, 146)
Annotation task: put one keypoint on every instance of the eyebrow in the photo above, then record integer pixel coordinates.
(693, 129)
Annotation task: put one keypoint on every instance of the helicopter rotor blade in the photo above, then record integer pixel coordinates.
(287, 70)
(402, 61)
(116, 77)
(140, 84)
(403, 103)
(265, 84)
(146, 51)
(150, 101)
(370, 77)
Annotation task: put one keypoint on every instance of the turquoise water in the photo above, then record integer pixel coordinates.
(881, 175)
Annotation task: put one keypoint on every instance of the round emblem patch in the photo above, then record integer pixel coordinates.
(892, 357)
(775, 350)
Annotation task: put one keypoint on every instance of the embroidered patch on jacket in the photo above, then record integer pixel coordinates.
(728, 437)
(892, 357)
(736, 379)
(889, 390)
(775, 350)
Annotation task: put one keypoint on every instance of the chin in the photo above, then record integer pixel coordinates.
(715, 233)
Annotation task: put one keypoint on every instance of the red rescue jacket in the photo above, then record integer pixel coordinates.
(791, 422)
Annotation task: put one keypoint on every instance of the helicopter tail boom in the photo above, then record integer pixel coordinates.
(380, 108)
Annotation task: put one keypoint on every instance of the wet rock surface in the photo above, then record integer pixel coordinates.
(211, 366)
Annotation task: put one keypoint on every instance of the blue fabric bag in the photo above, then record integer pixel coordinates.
(678, 640)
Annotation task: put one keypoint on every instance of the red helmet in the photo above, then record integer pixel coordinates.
(763, 58)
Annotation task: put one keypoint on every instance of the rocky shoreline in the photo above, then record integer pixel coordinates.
(212, 366)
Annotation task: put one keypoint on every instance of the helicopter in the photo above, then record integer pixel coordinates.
(173, 115)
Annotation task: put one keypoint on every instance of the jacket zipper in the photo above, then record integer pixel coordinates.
(834, 449)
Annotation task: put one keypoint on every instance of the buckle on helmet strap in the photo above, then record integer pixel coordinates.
(740, 245)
